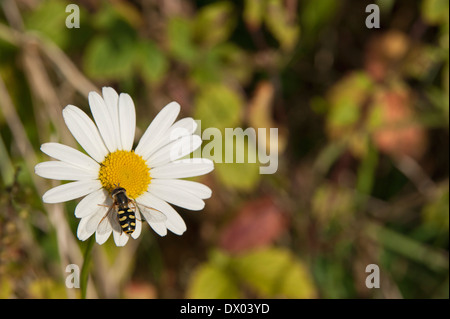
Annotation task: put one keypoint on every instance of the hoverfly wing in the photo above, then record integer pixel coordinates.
(107, 222)
(114, 222)
(152, 215)
(92, 223)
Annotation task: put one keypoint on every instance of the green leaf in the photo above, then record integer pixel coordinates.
(316, 14)
(207, 69)
(180, 39)
(218, 106)
(108, 58)
(435, 213)
(275, 272)
(223, 61)
(435, 11)
(346, 98)
(50, 20)
(297, 282)
(238, 176)
(150, 61)
(285, 31)
(214, 23)
(242, 175)
(234, 62)
(254, 13)
(210, 281)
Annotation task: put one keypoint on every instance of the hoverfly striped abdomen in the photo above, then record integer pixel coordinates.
(127, 216)
(127, 220)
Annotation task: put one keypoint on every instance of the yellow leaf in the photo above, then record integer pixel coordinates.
(211, 282)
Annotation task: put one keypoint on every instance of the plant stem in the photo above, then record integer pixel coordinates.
(366, 171)
(86, 266)
(435, 259)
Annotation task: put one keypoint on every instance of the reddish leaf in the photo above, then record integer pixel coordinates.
(257, 224)
(384, 52)
(139, 290)
(399, 133)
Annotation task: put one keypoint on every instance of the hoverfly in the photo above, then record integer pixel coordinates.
(122, 214)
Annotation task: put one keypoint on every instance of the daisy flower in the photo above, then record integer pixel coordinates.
(145, 180)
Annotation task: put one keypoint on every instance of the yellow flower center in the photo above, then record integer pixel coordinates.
(125, 169)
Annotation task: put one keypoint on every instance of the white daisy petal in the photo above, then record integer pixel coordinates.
(186, 124)
(88, 225)
(82, 233)
(198, 189)
(176, 196)
(106, 223)
(101, 238)
(63, 171)
(174, 150)
(69, 191)
(112, 103)
(69, 155)
(174, 221)
(183, 127)
(127, 121)
(120, 238)
(157, 129)
(159, 228)
(103, 120)
(91, 203)
(85, 132)
(154, 218)
(183, 168)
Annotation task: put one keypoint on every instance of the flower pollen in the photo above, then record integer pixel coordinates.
(125, 169)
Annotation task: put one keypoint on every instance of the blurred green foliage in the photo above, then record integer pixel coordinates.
(362, 117)
(269, 273)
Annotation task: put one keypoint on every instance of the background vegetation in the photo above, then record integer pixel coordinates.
(363, 119)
